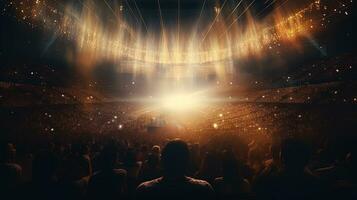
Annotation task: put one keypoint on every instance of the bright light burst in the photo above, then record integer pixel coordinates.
(181, 102)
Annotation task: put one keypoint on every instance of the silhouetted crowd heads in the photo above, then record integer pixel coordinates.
(117, 168)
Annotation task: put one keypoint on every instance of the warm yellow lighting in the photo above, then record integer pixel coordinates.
(215, 126)
(214, 48)
(181, 102)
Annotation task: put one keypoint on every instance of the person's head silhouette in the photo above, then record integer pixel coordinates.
(175, 157)
(44, 167)
(109, 157)
(7, 152)
(294, 154)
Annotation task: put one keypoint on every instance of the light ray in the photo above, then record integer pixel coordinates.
(141, 16)
(133, 52)
(131, 11)
(199, 19)
(201, 12)
(282, 4)
(84, 5)
(111, 9)
(235, 8)
(178, 23)
(236, 19)
(215, 19)
(266, 7)
(161, 19)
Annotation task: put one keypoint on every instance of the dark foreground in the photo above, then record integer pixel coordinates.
(234, 151)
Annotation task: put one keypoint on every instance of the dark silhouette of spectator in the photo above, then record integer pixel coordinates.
(174, 184)
(293, 181)
(156, 151)
(255, 158)
(272, 165)
(133, 168)
(95, 154)
(232, 185)
(262, 181)
(77, 170)
(109, 182)
(78, 163)
(344, 185)
(342, 175)
(151, 168)
(347, 188)
(195, 160)
(44, 184)
(209, 169)
(10, 172)
(143, 153)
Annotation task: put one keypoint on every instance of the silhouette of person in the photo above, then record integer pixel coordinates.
(109, 182)
(232, 185)
(174, 184)
(10, 172)
(44, 183)
(294, 180)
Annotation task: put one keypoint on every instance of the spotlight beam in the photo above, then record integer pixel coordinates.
(131, 11)
(178, 23)
(140, 15)
(161, 20)
(83, 4)
(213, 22)
(111, 9)
(199, 18)
(235, 8)
(266, 7)
(201, 12)
(234, 21)
(282, 4)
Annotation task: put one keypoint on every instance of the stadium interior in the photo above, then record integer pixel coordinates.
(244, 79)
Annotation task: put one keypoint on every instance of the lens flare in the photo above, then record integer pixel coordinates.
(181, 102)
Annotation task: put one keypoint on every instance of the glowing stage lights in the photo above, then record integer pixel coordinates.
(181, 102)
(233, 34)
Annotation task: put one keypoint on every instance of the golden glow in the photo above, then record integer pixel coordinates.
(181, 102)
(215, 47)
(221, 44)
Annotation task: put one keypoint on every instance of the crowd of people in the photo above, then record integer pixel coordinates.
(112, 167)
(227, 151)
(280, 130)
